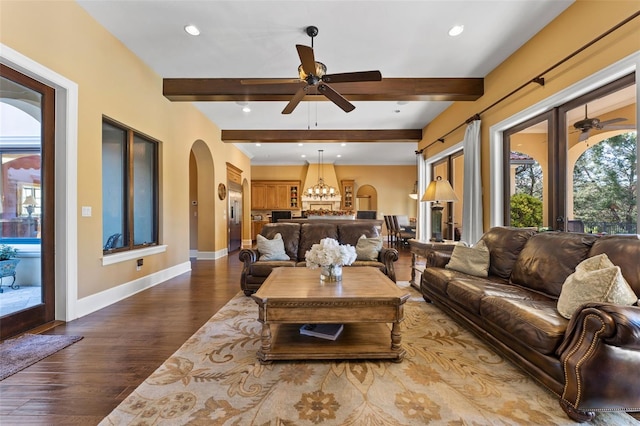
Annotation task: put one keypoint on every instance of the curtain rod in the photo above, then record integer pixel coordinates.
(539, 79)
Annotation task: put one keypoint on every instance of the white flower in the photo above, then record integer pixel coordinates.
(330, 252)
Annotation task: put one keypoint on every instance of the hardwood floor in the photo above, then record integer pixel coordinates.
(123, 344)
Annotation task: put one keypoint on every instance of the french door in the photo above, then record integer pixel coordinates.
(27, 141)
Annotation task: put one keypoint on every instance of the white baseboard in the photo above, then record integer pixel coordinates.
(211, 255)
(97, 301)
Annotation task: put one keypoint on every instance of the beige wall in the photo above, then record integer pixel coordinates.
(556, 41)
(113, 82)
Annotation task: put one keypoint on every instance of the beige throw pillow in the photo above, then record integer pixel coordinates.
(368, 248)
(470, 260)
(595, 279)
(271, 249)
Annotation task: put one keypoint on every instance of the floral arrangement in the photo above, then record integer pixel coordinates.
(330, 253)
(324, 212)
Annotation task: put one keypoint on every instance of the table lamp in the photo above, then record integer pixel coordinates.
(437, 191)
(30, 204)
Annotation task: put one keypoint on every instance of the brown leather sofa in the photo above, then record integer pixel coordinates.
(590, 361)
(298, 239)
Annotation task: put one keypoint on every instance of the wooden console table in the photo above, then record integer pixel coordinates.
(420, 249)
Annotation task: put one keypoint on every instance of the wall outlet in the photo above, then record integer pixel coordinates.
(139, 263)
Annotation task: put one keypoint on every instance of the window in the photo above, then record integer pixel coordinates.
(129, 189)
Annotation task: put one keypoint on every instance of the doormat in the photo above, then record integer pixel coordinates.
(21, 352)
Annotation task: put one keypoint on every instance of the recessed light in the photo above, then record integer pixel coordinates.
(258, 144)
(192, 30)
(456, 30)
(300, 144)
(339, 155)
(343, 144)
(304, 156)
(397, 111)
(246, 109)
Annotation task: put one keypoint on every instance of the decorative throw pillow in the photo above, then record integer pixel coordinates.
(368, 248)
(470, 260)
(271, 249)
(595, 279)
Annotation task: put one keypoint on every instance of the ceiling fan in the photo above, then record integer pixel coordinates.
(313, 74)
(585, 125)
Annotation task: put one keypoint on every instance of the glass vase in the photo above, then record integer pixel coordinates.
(331, 273)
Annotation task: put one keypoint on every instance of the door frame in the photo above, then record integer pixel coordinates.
(65, 178)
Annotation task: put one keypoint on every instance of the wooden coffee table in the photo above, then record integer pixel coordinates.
(365, 301)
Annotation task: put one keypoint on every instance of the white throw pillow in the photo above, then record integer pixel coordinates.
(595, 279)
(368, 248)
(271, 249)
(470, 260)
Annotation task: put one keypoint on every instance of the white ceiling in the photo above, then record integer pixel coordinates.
(256, 39)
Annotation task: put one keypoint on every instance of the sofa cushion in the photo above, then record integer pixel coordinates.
(596, 279)
(468, 292)
(470, 260)
(439, 278)
(350, 233)
(534, 323)
(368, 248)
(263, 269)
(548, 258)
(311, 233)
(290, 235)
(504, 246)
(623, 251)
(271, 249)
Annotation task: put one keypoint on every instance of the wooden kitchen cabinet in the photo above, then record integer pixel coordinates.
(275, 195)
(347, 188)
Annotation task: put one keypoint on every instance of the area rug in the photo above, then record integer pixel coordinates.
(447, 377)
(21, 352)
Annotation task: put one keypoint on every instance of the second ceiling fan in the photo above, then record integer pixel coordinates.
(314, 75)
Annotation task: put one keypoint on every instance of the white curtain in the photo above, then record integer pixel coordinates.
(472, 228)
(421, 230)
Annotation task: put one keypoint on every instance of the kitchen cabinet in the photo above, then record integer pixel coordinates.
(275, 195)
(347, 189)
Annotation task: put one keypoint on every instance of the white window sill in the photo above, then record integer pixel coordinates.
(124, 256)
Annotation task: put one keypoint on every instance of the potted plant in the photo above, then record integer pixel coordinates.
(8, 264)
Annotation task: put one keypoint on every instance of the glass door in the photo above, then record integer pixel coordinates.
(26, 202)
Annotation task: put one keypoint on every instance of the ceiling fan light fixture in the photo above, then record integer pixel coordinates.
(321, 70)
(192, 30)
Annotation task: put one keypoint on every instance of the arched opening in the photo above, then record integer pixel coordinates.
(201, 198)
(366, 198)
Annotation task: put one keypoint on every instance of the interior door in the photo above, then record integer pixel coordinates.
(27, 111)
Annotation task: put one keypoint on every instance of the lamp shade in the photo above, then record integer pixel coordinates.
(439, 190)
(29, 201)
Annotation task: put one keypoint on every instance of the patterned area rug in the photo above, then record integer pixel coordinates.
(447, 377)
(21, 352)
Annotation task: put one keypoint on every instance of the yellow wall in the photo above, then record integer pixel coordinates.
(113, 82)
(579, 24)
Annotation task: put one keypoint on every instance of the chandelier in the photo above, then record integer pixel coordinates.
(321, 190)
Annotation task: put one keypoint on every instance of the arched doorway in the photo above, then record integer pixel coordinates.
(201, 199)
(366, 198)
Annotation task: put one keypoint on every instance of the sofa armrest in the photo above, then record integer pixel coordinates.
(600, 355)
(388, 256)
(438, 259)
(247, 257)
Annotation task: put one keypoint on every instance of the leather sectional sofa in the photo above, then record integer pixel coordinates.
(298, 239)
(592, 360)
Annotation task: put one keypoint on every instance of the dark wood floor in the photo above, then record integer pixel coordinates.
(123, 344)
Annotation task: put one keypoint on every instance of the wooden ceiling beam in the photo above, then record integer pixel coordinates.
(389, 89)
(280, 136)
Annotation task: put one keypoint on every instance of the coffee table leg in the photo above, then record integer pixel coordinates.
(265, 347)
(396, 340)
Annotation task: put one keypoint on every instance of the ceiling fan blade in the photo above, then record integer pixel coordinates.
(583, 136)
(620, 127)
(270, 81)
(352, 77)
(613, 120)
(293, 103)
(307, 59)
(336, 97)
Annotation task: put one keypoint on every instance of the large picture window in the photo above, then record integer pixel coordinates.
(129, 188)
